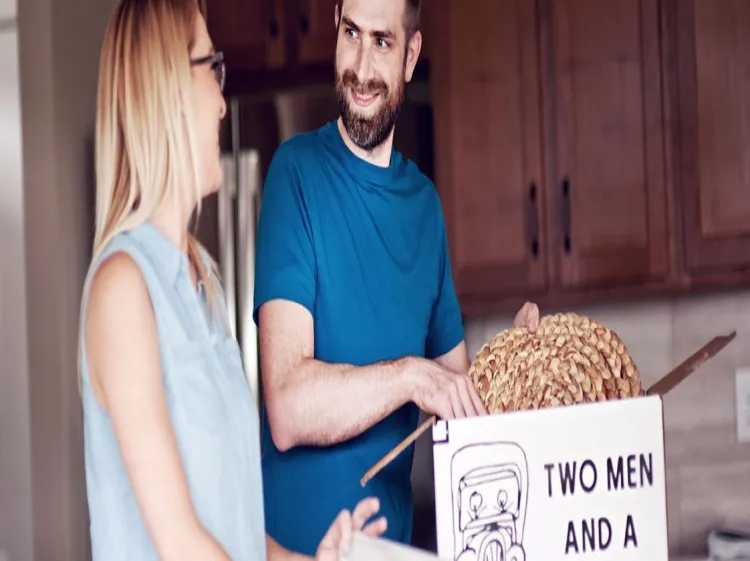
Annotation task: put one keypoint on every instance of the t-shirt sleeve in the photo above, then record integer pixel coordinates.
(284, 258)
(446, 329)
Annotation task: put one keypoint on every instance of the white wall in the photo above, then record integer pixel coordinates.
(15, 451)
(45, 224)
(8, 10)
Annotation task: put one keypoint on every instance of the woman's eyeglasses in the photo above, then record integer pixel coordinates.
(216, 61)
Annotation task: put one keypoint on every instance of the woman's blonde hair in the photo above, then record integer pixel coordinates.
(146, 152)
(145, 143)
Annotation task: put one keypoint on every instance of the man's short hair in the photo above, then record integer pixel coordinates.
(411, 16)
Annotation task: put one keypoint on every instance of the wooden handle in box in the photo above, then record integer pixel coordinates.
(388, 458)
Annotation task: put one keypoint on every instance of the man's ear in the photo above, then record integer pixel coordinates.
(336, 16)
(412, 54)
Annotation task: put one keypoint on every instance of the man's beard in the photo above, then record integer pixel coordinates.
(368, 132)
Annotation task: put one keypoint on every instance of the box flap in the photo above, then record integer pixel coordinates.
(690, 365)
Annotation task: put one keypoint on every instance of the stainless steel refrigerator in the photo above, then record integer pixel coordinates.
(253, 129)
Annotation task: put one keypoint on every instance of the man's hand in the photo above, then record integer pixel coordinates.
(339, 536)
(528, 317)
(442, 392)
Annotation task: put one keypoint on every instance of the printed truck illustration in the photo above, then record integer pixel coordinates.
(489, 487)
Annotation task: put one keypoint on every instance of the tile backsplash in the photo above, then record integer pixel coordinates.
(708, 471)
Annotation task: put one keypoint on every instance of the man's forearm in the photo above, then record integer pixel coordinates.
(330, 403)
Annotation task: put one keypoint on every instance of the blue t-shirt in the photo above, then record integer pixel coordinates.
(364, 249)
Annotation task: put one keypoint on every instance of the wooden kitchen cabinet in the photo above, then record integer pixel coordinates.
(251, 33)
(270, 44)
(713, 79)
(550, 157)
(489, 145)
(317, 31)
(609, 181)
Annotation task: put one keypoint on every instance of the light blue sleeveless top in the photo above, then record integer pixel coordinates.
(213, 415)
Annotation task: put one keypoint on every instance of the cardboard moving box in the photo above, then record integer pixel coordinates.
(584, 481)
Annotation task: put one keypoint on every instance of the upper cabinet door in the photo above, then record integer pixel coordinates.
(250, 32)
(610, 196)
(714, 93)
(487, 107)
(316, 31)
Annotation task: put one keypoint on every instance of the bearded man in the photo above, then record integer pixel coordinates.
(359, 323)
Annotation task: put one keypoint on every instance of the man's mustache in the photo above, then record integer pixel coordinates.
(349, 79)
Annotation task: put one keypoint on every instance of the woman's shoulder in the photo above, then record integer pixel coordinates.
(117, 282)
(117, 262)
(118, 285)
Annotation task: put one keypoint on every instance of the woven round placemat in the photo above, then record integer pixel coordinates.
(569, 359)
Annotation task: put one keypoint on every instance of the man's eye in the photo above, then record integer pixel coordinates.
(382, 43)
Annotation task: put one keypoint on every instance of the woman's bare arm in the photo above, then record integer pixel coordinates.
(274, 552)
(123, 358)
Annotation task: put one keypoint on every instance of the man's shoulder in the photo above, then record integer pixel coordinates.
(295, 161)
(301, 147)
(422, 184)
(413, 174)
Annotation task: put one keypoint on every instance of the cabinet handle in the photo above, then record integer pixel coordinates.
(566, 215)
(273, 27)
(533, 223)
(304, 19)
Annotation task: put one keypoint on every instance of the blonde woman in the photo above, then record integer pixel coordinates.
(171, 431)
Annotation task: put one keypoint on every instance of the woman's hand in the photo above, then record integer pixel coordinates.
(339, 536)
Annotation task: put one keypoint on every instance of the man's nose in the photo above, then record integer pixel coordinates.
(364, 65)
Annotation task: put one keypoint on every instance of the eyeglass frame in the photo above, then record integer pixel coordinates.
(216, 60)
